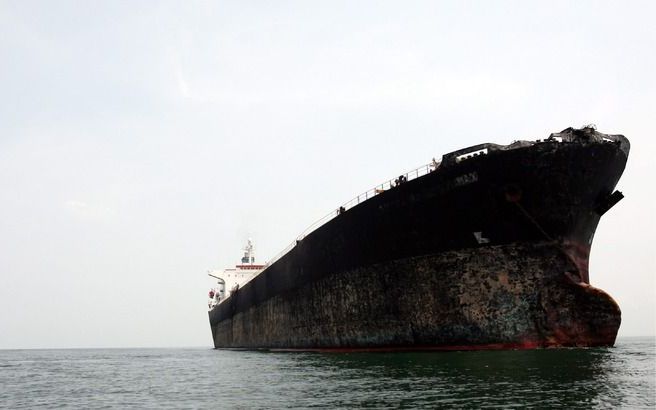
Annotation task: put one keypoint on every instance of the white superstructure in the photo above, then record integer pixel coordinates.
(229, 280)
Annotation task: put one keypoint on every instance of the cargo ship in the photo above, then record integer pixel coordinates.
(487, 248)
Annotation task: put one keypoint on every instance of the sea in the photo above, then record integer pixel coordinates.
(197, 378)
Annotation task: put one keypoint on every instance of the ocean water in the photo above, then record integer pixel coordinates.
(619, 377)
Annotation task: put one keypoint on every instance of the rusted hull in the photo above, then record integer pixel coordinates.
(486, 253)
(494, 297)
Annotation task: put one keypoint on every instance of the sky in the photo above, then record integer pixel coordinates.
(142, 143)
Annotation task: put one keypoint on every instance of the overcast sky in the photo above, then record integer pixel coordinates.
(141, 143)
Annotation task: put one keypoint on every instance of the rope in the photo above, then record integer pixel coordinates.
(533, 221)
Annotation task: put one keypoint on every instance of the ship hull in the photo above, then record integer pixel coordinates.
(491, 252)
(509, 295)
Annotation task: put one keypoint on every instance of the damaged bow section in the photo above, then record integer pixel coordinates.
(487, 249)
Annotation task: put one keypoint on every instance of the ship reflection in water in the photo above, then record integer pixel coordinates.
(533, 378)
(543, 378)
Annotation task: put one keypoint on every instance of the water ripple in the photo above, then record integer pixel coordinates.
(624, 376)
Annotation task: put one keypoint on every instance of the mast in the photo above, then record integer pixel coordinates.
(249, 253)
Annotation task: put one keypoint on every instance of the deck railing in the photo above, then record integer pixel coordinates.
(378, 189)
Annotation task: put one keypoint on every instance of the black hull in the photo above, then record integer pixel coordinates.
(405, 268)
